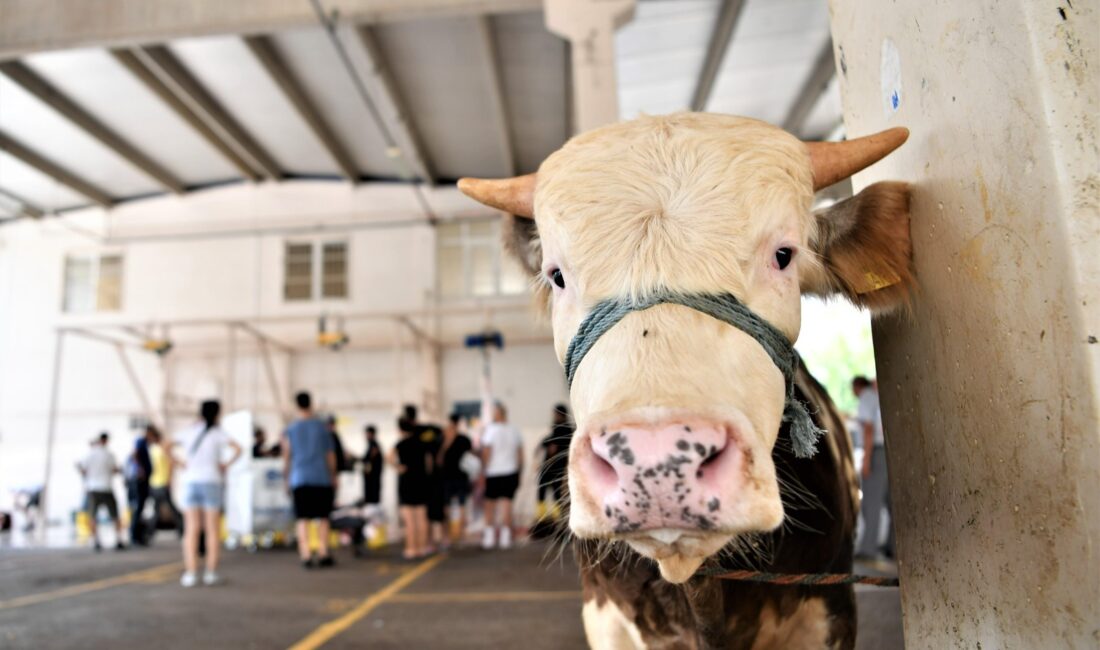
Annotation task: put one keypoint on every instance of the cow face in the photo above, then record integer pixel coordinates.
(677, 413)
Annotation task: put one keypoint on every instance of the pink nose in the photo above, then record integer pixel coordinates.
(665, 476)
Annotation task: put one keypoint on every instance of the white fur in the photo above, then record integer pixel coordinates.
(606, 628)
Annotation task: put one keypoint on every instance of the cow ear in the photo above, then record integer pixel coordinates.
(521, 241)
(864, 250)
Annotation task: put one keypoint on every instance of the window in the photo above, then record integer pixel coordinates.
(92, 283)
(471, 263)
(315, 269)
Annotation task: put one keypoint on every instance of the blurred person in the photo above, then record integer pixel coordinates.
(139, 466)
(372, 468)
(431, 436)
(309, 465)
(553, 473)
(204, 444)
(259, 445)
(160, 481)
(342, 464)
(413, 462)
(455, 482)
(28, 503)
(98, 469)
(502, 458)
(875, 482)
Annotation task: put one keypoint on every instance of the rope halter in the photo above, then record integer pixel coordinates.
(724, 307)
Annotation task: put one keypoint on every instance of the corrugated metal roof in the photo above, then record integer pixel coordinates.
(442, 71)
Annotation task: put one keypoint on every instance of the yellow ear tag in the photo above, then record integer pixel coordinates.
(874, 281)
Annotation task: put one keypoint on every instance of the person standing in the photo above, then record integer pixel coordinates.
(554, 471)
(413, 462)
(98, 468)
(875, 482)
(372, 468)
(431, 437)
(160, 481)
(204, 444)
(502, 458)
(138, 469)
(456, 484)
(309, 465)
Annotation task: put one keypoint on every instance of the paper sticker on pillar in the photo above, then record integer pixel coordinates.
(891, 78)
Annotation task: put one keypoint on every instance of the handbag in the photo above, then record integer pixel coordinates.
(470, 465)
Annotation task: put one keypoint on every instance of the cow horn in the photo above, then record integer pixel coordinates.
(835, 161)
(513, 195)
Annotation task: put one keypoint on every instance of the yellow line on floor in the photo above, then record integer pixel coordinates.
(486, 597)
(154, 574)
(326, 631)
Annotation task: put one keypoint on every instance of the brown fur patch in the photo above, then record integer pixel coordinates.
(865, 249)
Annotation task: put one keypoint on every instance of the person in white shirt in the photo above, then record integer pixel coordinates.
(875, 482)
(98, 469)
(204, 466)
(502, 458)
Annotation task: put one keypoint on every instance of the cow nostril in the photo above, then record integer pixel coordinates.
(713, 454)
(602, 469)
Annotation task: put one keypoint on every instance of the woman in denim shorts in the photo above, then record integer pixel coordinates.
(203, 445)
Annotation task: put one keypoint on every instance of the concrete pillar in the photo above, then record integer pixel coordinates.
(589, 26)
(990, 387)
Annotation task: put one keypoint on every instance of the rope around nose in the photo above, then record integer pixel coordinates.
(724, 307)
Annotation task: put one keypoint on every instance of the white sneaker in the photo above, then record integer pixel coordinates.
(210, 578)
(488, 540)
(187, 579)
(506, 537)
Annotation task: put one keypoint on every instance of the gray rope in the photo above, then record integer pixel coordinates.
(724, 307)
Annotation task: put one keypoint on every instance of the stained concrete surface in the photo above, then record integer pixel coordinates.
(524, 598)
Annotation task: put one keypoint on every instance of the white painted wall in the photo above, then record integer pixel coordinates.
(198, 258)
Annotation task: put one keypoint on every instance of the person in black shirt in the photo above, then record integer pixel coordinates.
(372, 469)
(456, 484)
(553, 475)
(432, 437)
(414, 463)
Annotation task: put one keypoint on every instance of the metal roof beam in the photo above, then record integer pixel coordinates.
(30, 81)
(132, 61)
(720, 38)
(37, 25)
(491, 55)
(194, 92)
(54, 171)
(821, 74)
(367, 58)
(26, 208)
(264, 51)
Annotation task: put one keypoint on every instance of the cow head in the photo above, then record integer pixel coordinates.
(677, 413)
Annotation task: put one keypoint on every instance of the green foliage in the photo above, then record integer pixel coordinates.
(835, 356)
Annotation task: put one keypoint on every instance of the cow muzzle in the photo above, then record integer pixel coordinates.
(667, 476)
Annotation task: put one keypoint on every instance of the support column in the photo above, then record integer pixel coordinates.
(589, 26)
(991, 387)
(51, 424)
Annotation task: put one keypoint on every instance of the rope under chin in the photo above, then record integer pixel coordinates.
(726, 308)
(807, 579)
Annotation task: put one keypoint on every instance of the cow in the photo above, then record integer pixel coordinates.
(686, 456)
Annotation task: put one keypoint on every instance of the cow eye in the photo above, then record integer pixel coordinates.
(557, 278)
(783, 257)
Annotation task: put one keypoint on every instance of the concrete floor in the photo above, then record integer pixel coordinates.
(76, 599)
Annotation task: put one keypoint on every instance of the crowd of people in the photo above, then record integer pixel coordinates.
(439, 470)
